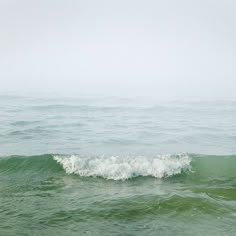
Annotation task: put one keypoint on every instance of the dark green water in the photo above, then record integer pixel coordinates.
(37, 197)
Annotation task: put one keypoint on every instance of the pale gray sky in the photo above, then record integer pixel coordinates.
(165, 48)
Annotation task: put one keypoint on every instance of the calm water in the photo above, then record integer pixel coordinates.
(108, 166)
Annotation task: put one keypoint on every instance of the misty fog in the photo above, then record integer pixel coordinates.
(125, 48)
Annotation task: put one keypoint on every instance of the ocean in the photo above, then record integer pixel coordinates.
(117, 166)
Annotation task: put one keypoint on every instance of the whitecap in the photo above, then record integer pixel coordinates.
(125, 167)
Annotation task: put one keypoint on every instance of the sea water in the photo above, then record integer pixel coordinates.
(117, 166)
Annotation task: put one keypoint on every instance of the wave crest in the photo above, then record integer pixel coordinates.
(121, 168)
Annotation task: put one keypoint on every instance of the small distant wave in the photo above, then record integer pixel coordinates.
(99, 107)
(122, 168)
(68, 107)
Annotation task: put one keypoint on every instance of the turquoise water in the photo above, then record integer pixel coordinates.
(109, 166)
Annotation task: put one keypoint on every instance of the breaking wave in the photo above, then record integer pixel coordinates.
(121, 168)
(196, 166)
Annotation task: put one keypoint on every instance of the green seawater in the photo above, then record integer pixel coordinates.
(116, 166)
(37, 197)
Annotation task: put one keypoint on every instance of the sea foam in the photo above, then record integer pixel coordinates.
(121, 168)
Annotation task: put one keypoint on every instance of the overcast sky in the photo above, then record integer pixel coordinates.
(166, 48)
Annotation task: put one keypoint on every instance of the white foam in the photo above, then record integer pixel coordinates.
(121, 168)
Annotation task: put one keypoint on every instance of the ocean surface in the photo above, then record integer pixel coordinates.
(112, 166)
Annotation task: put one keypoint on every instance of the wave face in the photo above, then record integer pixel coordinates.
(121, 168)
(24, 164)
(113, 167)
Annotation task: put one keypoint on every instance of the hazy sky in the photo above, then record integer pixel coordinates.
(166, 48)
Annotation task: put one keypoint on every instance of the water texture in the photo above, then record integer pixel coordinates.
(108, 166)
